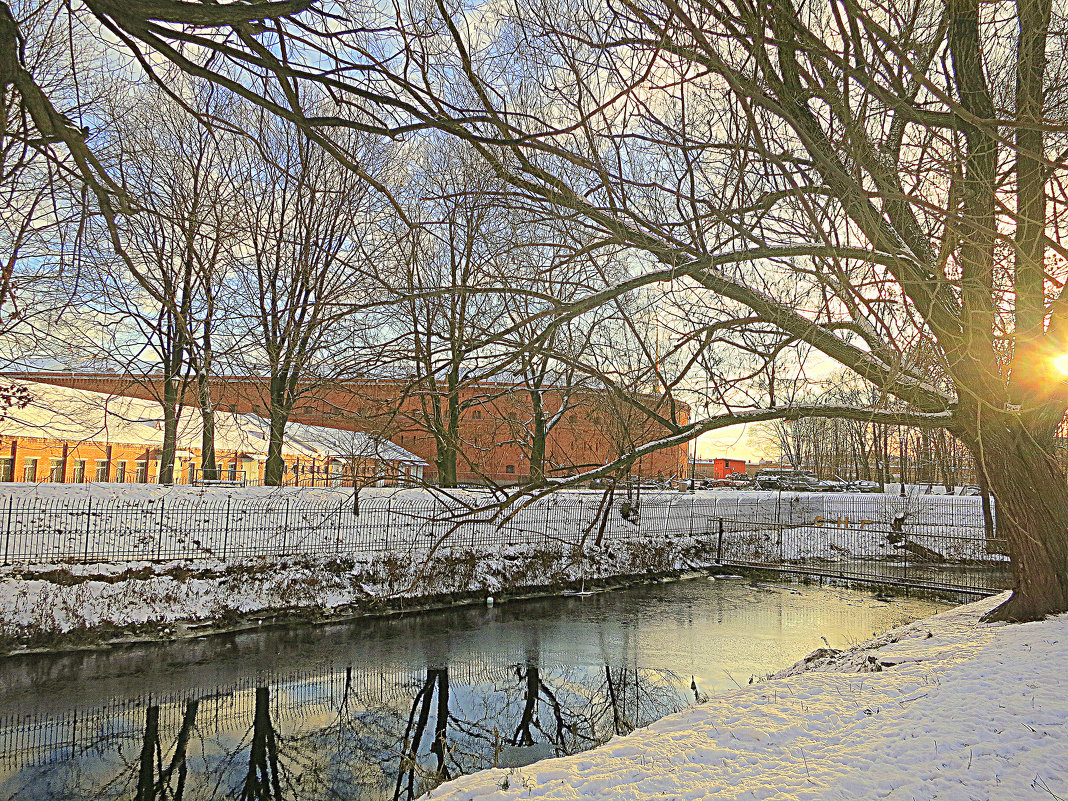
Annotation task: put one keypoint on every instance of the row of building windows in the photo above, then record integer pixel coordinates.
(77, 470)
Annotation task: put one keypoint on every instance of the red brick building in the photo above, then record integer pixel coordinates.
(718, 468)
(66, 435)
(494, 425)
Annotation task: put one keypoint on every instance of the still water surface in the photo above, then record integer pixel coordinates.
(387, 708)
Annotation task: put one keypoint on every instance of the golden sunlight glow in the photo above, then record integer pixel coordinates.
(1061, 363)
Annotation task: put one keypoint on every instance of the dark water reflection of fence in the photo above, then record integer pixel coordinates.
(348, 732)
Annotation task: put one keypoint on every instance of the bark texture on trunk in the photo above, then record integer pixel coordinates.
(170, 435)
(538, 436)
(272, 475)
(1031, 510)
(208, 465)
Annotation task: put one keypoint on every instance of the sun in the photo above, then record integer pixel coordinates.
(1061, 363)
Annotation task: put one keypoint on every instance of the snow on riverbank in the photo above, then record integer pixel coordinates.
(948, 708)
(57, 599)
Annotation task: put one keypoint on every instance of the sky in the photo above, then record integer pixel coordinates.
(732, 441)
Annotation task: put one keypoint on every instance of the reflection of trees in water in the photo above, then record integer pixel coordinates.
(436, 683)
(564, 709)
(262, 782)
(386, 737)
(154, 781)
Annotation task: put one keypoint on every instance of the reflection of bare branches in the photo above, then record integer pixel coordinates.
(149, 787)
(262, 782)
(413, 733)
(391, 735)
(146, 775)
(618, 724)
(178, 760)
(535, 690)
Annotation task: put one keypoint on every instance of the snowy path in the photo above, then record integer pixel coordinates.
(961, 710)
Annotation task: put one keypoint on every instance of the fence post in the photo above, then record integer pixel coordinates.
(389, 522)
(337, 539)
(226, 528)
(159, 536)
(719, 547)
(905, 552)
(285, 528)
(7, 534)
(88, 524)
(545, 528)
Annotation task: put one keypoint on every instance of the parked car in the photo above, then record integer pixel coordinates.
(738, 480)
(790, 481)
(859, 485)
(832, 485)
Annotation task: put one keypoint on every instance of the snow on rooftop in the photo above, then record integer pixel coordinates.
(63, 413)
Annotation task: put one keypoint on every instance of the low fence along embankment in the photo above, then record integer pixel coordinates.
(941, 542)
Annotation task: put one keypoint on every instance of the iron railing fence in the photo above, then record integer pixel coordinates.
(868, 537)
(931, 556)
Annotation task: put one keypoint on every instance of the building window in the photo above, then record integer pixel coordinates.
(509, 468)
(142, 473)
(101, 470)
(120, 472)
(233, 471)
(476, 415)
(55, 471)
(29, 471)
(7, 469)
(79, 471)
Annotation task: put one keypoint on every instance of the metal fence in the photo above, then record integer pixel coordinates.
(937, 557)
(929, 540)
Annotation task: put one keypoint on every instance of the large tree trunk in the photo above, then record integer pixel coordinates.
(445, 461)
(272, 474)
(447, 440)
(281, 407)
(209, 468)
(1031, 505)
(170, 432)
(537, 441)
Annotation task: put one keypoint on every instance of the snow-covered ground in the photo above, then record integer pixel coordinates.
(945, 708)
(134, 522)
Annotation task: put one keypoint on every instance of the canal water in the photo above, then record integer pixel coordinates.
(388, 708)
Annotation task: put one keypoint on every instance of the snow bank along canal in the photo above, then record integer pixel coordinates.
(388, 708)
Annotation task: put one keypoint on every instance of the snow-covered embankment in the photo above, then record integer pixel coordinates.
(41, 602)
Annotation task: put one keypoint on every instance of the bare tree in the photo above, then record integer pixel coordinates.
(310, 229)
(446, 300)
(166, 293)
(859, 177)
